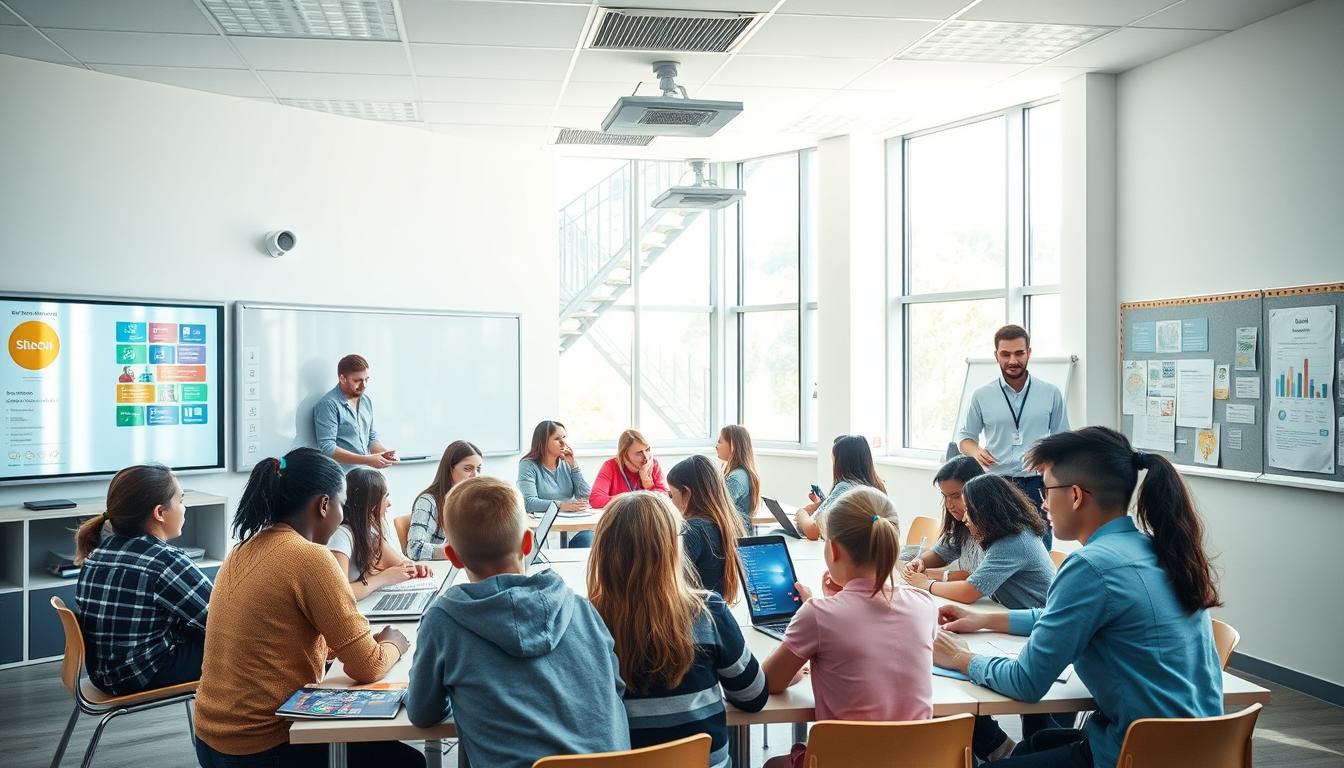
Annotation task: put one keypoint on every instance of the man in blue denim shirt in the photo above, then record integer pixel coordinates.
(343, 419)
(1129, 610)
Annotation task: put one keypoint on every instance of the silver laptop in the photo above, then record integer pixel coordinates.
(542, 531)
(785, 524)
(405, 601)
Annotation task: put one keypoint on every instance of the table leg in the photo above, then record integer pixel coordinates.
(336, 755)
(564, 539)
(739, 746)
(800, 733)
(433, 753)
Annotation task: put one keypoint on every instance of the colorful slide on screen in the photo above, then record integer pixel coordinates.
(93, 386)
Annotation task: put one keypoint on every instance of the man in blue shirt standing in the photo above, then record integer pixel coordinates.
(1012, 413)
(343, 419)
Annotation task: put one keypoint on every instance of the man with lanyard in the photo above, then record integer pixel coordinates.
(343, 419)
(1013, 412)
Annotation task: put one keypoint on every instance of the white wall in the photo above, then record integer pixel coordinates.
(1229, 168)
(119, 187)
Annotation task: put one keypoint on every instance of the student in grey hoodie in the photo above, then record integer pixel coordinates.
(525, 667)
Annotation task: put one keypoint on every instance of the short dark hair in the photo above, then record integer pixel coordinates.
(351, 364)
(1010, 332)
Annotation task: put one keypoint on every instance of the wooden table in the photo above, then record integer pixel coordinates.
(795, 705)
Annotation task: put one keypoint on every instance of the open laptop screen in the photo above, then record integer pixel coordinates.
(768, 578)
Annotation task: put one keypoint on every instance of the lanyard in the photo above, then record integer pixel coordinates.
(626, 478)
(1017, 417)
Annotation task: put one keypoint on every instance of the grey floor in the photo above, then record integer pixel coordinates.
(1294, 730)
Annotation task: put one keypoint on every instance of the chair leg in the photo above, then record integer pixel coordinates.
(98, 734)
(191, 725)
(65, 738)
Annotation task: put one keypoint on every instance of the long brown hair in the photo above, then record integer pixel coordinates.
(741, 456)
(852, 460)
(640, 583)
(443, 476)
(132, 496)
(863, 522)
(696, 477)
(540, 436)
(1102, 461)
(365, 489)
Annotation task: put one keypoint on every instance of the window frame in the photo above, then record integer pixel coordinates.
(1016, 291)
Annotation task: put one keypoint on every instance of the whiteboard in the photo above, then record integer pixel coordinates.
(434, 377)
(982, 370)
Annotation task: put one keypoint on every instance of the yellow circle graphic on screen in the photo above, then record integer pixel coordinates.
(34, 345)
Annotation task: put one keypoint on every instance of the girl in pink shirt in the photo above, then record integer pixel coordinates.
(633, 469)
(870, 638)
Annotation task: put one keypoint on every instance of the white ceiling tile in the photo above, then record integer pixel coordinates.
(1217, 14)
(25, 43)
(359, 57)
(231, 82)
(772, 101)
(1128, 48)
(602, 94)
(631, 67)
(478, 61)
(1101, 13)
(520, 24)
(162, 50)
(890, 9)
(731, 6)
(119, 16)
(485, 114)
(580, 117)
(792, 72)
(839, 36)
(495, 134)
(920, 76)
(320, 85)
(484, 91)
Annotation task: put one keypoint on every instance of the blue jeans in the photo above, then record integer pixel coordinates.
(1054, 748)
(389, 754)
(580, 540)
(1032, 487)
(987, 735)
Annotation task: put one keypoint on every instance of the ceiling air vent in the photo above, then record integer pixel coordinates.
(580, 136)
(647, 29)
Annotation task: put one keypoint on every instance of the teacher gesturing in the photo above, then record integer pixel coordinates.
(343, 419)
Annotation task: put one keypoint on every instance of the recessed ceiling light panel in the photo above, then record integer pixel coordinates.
(1001, 41)
(322, 19)
(389, 111)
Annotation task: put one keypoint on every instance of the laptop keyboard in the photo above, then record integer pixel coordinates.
(397, 601)
(775, 626)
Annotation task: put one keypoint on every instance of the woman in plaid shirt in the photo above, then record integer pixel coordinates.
(142, 601)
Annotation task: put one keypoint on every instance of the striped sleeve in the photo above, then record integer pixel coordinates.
(741, 676)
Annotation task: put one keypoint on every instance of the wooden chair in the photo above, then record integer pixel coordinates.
(1058, 557)
(92, 701)
(1180, 742)
(943, 742)
(692, 750)
(924, 528)
(1226, 639)
(403, 525)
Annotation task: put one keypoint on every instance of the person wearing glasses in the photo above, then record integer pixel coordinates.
(1129, 609)
(1011, 413)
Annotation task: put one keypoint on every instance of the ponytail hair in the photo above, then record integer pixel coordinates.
(1102, 461)
(365, 490)
(278, 489)
(132, 496)
(864, 523)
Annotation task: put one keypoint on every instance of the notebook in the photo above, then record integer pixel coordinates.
(368, 702)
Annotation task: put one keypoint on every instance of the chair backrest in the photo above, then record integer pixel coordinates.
(73, 663)
(1225, 638)
(943, 742)
(1058, 557)
(924, 527)
(692, 750)
(1180, 742)
(403, 525)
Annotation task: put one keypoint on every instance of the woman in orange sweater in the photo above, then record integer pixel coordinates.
(280, 607)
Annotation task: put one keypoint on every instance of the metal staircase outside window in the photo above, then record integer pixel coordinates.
(597, 263)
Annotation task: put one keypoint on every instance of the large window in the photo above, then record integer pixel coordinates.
(636, 304)
(973, 244)
(774, 298)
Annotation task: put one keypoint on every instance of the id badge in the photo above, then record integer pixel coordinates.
(1017, 438)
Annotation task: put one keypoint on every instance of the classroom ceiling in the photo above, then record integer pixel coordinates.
(519, 70)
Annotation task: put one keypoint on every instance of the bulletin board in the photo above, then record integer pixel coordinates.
(1225, 314)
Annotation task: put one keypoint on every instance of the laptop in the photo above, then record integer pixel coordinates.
(543, 530)
(405, 601)
(785, 524)
(768, 579)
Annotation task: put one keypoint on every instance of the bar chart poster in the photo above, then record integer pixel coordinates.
(1300, 428)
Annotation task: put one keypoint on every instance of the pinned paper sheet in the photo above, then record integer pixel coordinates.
(1206, 446)
(1240, 414)
(1144, 338)
(1232, 440)
(1248, 387)
(1134, 388)
(1156, 429)
(1246, 338)
(1168, 336)
(1161, 378)
(1194, 393)
(1221, 375)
